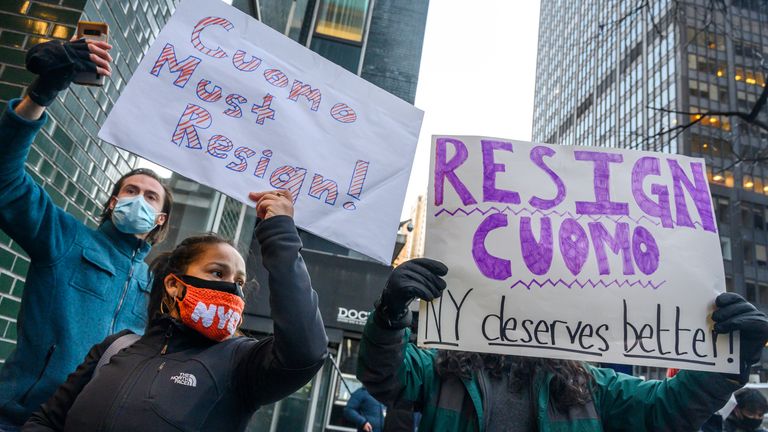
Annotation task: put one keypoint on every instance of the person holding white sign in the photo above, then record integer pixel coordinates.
(190, 371)
(462, 391)
(83, 284)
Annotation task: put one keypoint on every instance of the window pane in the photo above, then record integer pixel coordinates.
(342, 19)
(725, 246)
(761, 256)
(343, 54)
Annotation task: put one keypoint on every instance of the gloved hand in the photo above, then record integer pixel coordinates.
(420, 277)
(735, 313)
(56, 64)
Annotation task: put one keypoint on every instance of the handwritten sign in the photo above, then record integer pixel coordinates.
(585, 253)
(225, 100)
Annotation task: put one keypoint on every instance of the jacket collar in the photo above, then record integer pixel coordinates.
(161, 325)
(127, 244)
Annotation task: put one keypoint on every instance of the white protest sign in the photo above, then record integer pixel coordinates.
(223, 99)
(584, 253)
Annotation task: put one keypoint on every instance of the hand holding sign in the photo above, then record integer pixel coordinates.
(734, 313)
(420, 278)
(272, 203)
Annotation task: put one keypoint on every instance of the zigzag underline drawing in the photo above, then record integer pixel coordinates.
(588, 282)
(548, 213)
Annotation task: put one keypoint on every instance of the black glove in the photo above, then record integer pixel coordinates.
(415, 278)
(56, 64)
(735, 313)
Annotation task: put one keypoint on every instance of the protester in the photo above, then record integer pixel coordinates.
(188, 372)
(747, 416)
(462, 391)
(83, 284)
(364, 412)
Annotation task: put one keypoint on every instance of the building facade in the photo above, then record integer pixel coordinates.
(622, 74)
(414, 231)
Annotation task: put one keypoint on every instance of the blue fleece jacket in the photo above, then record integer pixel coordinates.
(362, 408)
(82, 284)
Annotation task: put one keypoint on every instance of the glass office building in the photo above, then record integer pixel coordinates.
(616, 74)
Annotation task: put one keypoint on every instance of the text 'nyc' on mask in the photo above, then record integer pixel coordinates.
(133, 215)
(212, 308)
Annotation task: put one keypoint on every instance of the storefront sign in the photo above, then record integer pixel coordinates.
(584, 253)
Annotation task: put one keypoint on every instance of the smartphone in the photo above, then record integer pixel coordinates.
(91, 30)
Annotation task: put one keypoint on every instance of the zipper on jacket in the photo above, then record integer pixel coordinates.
(125, 291)
(48, 356)
(168, 334)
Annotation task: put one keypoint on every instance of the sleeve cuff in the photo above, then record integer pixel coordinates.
(10, 118)
(274, 227)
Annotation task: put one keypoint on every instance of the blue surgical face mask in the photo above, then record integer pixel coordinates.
(133, 215)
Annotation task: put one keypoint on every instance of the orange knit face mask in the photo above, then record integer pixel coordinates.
(212, 308)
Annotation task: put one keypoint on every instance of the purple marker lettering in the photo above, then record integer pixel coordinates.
(619, 242)
(489, 265)
(536, 254)
(698, 191)
(444, 169)
(645, 250)
(537, 156)
(646, 166)
(574, 245)
(602, 181)
(490, 193)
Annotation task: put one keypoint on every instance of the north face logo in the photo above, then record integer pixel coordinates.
(186, 379)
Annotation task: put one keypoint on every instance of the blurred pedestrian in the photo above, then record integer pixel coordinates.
(463, 391)
(189, 372)
(746, 416)
(365, 412)
(82, 284)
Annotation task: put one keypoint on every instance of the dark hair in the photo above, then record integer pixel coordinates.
(158, 234)
(570, 385)
(752, 400)
(176, 262)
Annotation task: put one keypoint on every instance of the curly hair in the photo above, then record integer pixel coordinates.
(570, 385)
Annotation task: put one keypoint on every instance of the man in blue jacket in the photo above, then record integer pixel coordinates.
(82, 284)
(365, 412)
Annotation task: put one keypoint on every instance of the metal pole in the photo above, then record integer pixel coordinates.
(343, 381)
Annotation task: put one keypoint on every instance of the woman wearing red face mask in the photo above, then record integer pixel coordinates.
(190, 371)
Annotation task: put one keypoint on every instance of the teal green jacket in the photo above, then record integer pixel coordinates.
(392, 369)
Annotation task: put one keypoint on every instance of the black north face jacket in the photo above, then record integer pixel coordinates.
(198, 384)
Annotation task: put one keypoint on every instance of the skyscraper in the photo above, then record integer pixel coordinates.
(661, 75)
